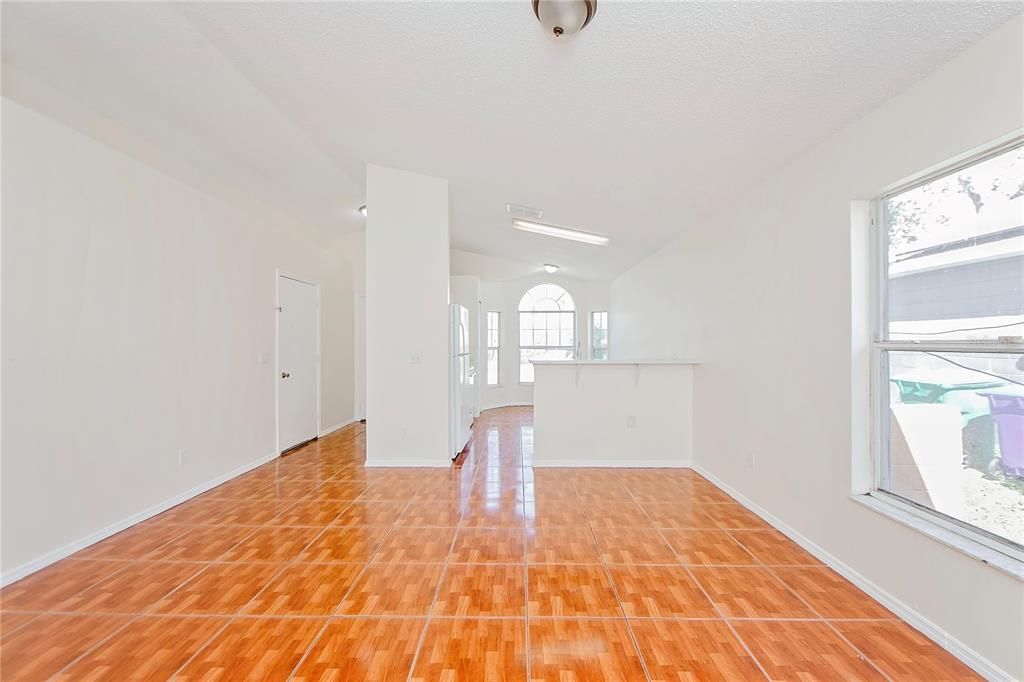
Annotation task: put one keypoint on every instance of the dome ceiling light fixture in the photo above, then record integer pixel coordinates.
(562, 19)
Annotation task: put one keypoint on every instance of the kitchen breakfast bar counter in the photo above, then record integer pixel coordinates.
(617, 413)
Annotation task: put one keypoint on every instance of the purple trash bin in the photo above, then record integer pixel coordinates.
(1006, 406)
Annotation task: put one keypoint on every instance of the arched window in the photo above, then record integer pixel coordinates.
(547, 327)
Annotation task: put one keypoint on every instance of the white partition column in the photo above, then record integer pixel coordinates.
(407, 271)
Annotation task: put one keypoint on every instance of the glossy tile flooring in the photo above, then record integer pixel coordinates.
(314, 567)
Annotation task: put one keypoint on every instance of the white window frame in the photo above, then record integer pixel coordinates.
(496, 349)
(881, 344)
(607, 332)
(575, 349)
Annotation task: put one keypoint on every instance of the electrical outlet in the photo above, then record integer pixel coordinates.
(631, 422)
(181, 457)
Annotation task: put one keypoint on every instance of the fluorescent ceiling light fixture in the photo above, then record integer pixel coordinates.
(560, 232)
(362, 209)
(550, 269)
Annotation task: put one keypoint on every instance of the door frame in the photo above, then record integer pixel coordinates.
(278, 274)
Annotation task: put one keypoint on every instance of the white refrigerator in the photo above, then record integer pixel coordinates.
(460, 384)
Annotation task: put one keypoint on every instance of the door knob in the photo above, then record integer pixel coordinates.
(285, 375)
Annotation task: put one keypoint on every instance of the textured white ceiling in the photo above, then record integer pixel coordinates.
(657, 112)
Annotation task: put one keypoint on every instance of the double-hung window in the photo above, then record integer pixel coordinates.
(547, 327)
(599, 335)
(948, 353)
(493, 347)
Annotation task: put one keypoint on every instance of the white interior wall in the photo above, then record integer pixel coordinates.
(407, 324)
(492, 268)
(761, 294)
(354, 246)
(135, 312)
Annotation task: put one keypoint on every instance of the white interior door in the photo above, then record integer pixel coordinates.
(297, 362)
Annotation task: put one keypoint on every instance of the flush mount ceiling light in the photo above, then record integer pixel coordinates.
(522, 211)
(550, 269)
(563, 19)
(362, 209)
(560, 232)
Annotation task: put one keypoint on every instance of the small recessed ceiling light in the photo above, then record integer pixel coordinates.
(550, 269)
(561, 232)
(362, 209)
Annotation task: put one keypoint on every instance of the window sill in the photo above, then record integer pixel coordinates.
(957, 541)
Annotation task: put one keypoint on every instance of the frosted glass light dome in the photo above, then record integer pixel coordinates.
(563, 19)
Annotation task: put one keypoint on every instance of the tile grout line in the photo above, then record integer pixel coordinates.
(522, 469)
(101, 641)
(615, 589)
(88, 585)
(146, 612)
(437, 590)
(425, 561)
(342, 616)
(355, 581)
(771, 569)
(228, 620)
(231, 618)
(101, 558)
(35, 615)
(728, 624)
(828, 624)
(526, 568)
(714, 606)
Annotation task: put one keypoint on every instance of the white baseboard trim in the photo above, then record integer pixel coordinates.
(632, 464)
(336, 427)
(966, 654)
(29, 567)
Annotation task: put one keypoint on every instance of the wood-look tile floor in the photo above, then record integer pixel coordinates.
(314, 567)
